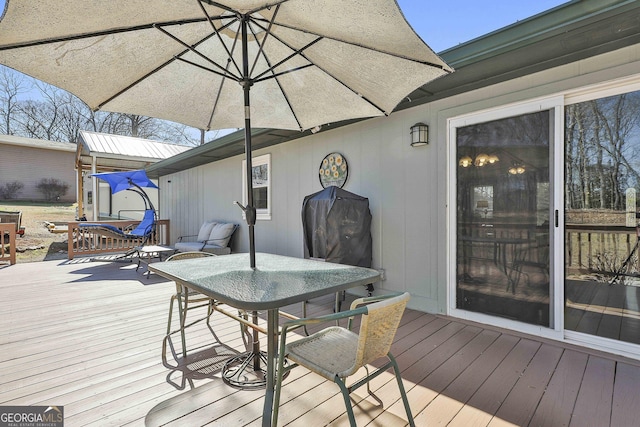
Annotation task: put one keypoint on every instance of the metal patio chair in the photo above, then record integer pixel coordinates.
(336, 353)
(187, 300)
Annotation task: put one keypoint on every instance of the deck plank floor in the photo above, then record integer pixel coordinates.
(88, 335)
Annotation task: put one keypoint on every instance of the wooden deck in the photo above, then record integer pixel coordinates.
(87, 336)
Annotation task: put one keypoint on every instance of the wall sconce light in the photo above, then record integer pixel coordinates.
(419, 134)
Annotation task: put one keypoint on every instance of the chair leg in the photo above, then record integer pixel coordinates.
(403, 394)
(280, 371)
(173, 298)
(182, 311)
(347, 400)
(164, 341)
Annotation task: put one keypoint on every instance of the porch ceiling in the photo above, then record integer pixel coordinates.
(576, 30)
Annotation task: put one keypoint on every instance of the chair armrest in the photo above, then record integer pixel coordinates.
(294, 324)
(188, 235)
(210, 242)
(351, 313)
(368, 300)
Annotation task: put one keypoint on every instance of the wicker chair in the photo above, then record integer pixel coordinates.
(336, 353)
(187, 300)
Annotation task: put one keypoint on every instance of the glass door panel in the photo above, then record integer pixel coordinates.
(503, 207)
(602, 180)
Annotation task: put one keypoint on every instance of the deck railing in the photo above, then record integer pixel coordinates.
(87, 242)
(589, 248)
(8, 229)
(601, 248)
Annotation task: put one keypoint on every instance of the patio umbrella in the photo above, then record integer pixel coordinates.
(287, 64)
(125, 180)
(129, 180)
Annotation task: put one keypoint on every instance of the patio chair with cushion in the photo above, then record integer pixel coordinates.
(336, 353)
(187, 300)
(213, 237)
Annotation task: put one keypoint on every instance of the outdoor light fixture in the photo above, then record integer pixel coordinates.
(419, 134)
(316, 129)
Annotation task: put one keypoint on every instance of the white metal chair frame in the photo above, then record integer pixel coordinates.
(336, 352)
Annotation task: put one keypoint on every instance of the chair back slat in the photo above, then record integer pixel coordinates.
(378, 328)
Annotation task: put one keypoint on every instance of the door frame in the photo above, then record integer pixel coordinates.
(555, 104)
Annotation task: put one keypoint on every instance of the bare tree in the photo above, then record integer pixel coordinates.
(12, 84)
(602, 151)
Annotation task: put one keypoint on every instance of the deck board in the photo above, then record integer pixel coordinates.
(88, 335)
(593, 405)
(559, 399)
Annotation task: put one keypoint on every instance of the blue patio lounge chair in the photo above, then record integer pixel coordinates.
(143, 232)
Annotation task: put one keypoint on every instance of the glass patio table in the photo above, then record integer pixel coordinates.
(277, 281)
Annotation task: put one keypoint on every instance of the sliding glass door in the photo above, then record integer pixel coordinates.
(602, 181)
(503, 217)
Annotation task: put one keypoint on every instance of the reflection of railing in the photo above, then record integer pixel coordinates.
(599, 248)
(8, 229)
(86, 242)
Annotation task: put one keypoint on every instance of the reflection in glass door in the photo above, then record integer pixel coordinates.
(602, 181)
(502, 259)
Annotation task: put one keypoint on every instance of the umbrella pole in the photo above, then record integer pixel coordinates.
(250, 210)
(234, 370)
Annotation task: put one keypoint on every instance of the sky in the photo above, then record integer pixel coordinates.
(445, 24)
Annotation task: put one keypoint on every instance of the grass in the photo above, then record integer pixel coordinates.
(38, 244)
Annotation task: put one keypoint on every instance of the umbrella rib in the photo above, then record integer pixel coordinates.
(192, 49)
(235, 64)
(296, 52)
(159, 67)
(301, 53)
(395, 55)
(222, 81)
(211, 70)
(126, 88)
(98, 34)
(264, 40)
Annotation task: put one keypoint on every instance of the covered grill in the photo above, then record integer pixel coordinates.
(337, 227)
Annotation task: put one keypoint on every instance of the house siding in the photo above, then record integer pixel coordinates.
(29, 165)
(408, 188)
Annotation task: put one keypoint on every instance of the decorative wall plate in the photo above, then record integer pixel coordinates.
(333, 170)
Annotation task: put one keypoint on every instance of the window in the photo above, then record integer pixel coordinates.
(261, 173)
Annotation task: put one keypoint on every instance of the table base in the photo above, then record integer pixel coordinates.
(241, 371)
(244, 371)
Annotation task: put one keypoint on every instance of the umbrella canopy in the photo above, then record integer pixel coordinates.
(310, 62)
(119, 181)
(129, 180)
(287, 64)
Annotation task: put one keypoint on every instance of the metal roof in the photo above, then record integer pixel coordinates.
(123, 152)
(567, 33)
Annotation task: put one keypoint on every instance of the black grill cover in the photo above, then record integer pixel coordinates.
(337, 227)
